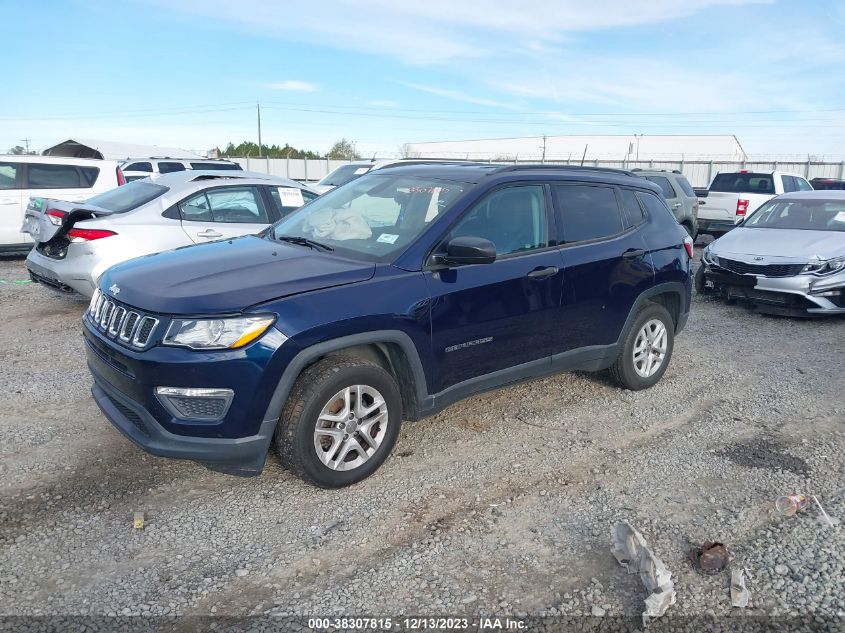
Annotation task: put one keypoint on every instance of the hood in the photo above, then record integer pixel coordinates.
(227, 276)
(787, 243)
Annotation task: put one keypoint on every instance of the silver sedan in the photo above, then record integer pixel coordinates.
(787, 258)
(77, 242)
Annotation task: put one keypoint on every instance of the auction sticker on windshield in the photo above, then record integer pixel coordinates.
(290, 196)
(387, 238)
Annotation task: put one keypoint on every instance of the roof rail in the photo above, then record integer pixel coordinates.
(562, 167)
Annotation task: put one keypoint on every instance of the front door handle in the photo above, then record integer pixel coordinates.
(677, 205)
(633, 252)
(209, 233)
(542, 273)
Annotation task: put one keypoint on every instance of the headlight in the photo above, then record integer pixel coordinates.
(224, 333)
(708, 257)
(825, 267)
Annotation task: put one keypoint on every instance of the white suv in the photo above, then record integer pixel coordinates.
(137, 168)
(71, 179)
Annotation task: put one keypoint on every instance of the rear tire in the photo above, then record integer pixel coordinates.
(340, 421)
(646, 350)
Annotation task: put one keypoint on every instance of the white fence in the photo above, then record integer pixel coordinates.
(699, 173)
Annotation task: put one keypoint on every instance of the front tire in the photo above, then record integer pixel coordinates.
(646, 350)
(340, 421)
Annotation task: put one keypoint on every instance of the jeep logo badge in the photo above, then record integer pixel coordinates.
(114, 289)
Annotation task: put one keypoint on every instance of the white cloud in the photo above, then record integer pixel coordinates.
(293, 85)
(383, 103)
(457, 95)
(437, 31)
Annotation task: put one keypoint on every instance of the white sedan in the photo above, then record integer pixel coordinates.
(77, 242)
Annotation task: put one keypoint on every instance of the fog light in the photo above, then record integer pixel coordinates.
(195, 403)
(828, 293)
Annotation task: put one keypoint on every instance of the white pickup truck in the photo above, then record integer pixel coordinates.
(734, 195)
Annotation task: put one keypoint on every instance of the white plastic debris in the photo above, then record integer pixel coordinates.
(824, 518)
(739, 592)
(632, 552)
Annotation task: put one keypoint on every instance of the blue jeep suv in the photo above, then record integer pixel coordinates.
(384, 300)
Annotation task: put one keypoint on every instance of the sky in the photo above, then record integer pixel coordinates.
(189, 73)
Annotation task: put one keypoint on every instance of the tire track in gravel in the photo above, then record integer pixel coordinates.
(245, 595)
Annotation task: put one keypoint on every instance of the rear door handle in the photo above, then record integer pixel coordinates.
(633, 252)
(542, 273)
(209, 233)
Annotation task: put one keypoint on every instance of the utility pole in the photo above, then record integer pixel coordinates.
(26, 141)
(258, 107)
(544, 150)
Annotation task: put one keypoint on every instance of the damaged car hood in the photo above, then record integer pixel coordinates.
(788, 243)
(227, 276)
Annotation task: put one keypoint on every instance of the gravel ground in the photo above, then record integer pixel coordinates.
(500, 505)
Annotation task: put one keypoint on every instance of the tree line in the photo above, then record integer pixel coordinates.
(343, 150)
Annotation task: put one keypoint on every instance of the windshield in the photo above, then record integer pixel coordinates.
(128, 197)
(808, 215)
(375, 217)
(342, 175)
(743, 183)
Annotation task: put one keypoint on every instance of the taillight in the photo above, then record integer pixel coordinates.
(55, 216)
(121, 180)
(688, 246)
(741, 207)
(86, 235)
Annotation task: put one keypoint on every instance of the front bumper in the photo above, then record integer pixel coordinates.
(124, 389)
(798, 294)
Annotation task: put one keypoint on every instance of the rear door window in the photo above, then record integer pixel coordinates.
(789, 184)
(685, 186)
(230, 205)
(743, 183)
(664, 184)
(169, 167)
(9, 176)
(289, 199)
(587, 212)
(143, 166)
(46, 176)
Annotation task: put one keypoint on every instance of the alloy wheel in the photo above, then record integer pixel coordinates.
(350, 427)
(650, 348)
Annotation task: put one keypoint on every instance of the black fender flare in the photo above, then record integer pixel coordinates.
(668, 286)
(306, 356)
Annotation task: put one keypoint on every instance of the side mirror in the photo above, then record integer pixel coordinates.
(461, 251)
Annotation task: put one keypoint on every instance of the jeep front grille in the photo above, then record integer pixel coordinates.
(119, 322)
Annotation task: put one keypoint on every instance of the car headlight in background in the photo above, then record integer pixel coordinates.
(223, 333)
(708, 257)
(824, 267)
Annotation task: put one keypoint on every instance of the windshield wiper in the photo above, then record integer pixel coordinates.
(304, 241)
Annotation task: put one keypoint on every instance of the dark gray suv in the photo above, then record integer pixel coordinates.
(679, 196)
